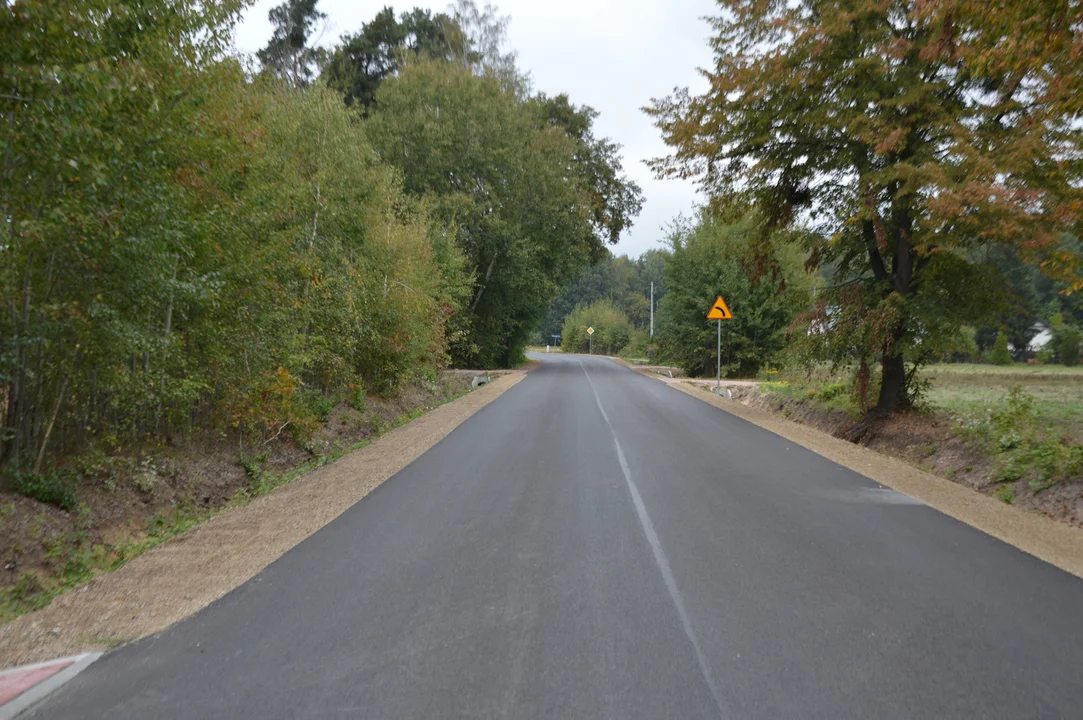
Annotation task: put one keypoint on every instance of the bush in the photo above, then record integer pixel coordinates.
(612, 329)
(1000, 354)
(1025, 448)
(54, 487)
(1066, 345)
(637, 345)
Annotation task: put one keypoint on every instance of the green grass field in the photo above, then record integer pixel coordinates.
(966, 389)
(1028, 419)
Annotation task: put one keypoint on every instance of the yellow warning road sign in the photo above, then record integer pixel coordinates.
(590, 331)
(720, 310)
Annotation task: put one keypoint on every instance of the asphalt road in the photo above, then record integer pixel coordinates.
(594, 544)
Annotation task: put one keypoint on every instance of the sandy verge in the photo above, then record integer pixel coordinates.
(1054, 542)
(185, 574)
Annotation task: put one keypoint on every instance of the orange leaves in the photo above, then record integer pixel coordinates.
(892, 142)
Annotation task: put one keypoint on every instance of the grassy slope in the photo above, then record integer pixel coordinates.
(1014, 431)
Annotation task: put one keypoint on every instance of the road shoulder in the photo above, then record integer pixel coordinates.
(180, 577)
(1056, 543)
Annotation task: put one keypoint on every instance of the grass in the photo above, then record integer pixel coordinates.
(1028, 419)
(829, 392)
(82, 561)
(968, 391)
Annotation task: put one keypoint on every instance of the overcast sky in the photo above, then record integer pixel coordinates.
(613, 55)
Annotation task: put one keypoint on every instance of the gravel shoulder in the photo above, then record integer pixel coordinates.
(181, 576)
(1059, 544)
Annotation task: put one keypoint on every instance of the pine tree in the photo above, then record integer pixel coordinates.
(288, 55)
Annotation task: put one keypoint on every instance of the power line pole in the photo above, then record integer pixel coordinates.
(652, 309)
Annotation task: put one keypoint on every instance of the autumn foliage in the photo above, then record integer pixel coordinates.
(908, 135)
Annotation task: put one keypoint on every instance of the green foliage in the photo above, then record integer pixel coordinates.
(188, 249)
(615, 200)
(759, 273)
(637, 345)
(364, 60)
(911, 137)
(612, 330)
(1066, 345)
(289, 56)
(54, 486)
(472, 152)
(1006, 494)
(1000, 354)
(1026, 446)
(620, 279)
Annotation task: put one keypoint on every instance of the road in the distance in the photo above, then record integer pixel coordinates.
(594, 544)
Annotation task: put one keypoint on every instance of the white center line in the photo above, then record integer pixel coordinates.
(660, 558)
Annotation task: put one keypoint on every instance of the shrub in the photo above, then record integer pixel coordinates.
(612, 329)
(55, 487)
(1000, 354)
(758, 270)
(637, 345)
(1066, 344)
(312, 402)
(1026, 449)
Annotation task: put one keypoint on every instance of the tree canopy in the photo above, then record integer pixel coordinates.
(504, 183)
(364, 60)
(290, 55)
(756, 269)
(907, 135)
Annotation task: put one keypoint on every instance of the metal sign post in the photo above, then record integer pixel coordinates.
(718, 380)
(590, 341)
(719, 311)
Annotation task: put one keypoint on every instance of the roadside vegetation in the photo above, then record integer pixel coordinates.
(208, 261)
(1015, 432)
(894, 202)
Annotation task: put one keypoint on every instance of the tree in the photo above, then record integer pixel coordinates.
(761, 279)
(362, 61)
(479, 46)
(1067, 341)
(907, 134)
(615, 200)
(290, 55)
(626, 282)
(501, 186)
(104, 157)
(187, 249)
(1001, 354)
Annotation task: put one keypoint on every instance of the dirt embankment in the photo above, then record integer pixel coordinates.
(928, 442)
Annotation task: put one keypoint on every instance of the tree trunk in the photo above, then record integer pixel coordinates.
(892, 385)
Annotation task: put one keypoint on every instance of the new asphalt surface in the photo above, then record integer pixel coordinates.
(594, 544)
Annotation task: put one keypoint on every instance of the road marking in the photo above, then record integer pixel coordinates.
(660, 559)
(38, 689)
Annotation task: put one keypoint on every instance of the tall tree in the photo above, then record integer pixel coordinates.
(479, 46)
(290, 54)
(757, 269)
(471, 149)
(364, 60)
(615, 200)
(907, 133)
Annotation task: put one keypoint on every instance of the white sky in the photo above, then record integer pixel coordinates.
(614, 55)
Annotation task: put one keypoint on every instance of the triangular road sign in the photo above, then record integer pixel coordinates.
(720, 310)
